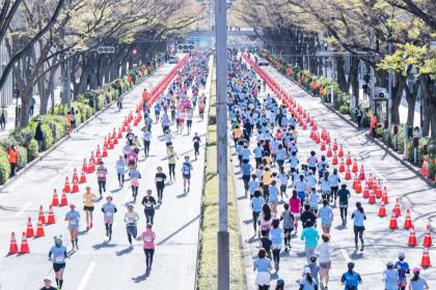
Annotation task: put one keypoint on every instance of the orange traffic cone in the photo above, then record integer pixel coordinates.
(382, 210)
(41, 216)
(385, 196)
(348, 174)
(24, 249)
(372, 198)
(120, 134)
(39, 230)
(366, 191)
(329, 152)
(355, 181)
(13, 248)
(342, 166)
(358, 186)
(393, 224)
(335, 159)
(425, 261)
(29, 230)
(335, 146)
(105, 152)
(55, 200)
(84, 167)
(75, 177)
(51, 219)
(91, 166)
(408, 221)
(323, 146)
(64, 200)
(318, 139)
(354, 168)
(75, 187)
(82, 177)
(427, 239)
(412, 238)
(341, 151)
(111, 144)
(362, 173)
(397, 209)
(67, 188)
(348, 161)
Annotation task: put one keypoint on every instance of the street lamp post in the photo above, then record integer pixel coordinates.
(221, 105)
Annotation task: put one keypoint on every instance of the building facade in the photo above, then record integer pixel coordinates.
(7, 92)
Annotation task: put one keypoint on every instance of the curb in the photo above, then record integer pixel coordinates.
(387, 149)
(65, 138)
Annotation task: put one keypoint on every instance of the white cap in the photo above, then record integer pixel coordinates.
(47, 278)
(306, 270)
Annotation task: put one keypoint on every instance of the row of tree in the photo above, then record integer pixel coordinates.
(388, 35)
(46, 36)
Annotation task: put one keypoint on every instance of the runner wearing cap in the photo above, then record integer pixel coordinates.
(403, 269)
(390, 277)
(57, 254)
(47, 284)
(88, 206)
(73, 218)
(308, 282)
(131, 218)
(417, 282)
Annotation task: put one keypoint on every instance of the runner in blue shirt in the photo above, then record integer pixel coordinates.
(109, 210)
(256, 206)
(73, 218)
(350, 278)
(258, 154)
(403, 269)
(186, 173)
(57, 254)
(253, 185)
(246, 170)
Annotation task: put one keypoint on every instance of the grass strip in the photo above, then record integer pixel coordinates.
(208, 265)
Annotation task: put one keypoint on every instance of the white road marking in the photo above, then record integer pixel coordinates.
(345, 254)
(86, 276)
(54, 178)
(28, 204)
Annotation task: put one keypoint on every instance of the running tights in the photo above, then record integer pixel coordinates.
(134, 191)
(120, 178)
(149, 257)
(358, 233)
(343, 213)
(276, 256)
(109, 229)
(172, 169)
(160, 189)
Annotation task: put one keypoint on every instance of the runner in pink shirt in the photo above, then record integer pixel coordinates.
(148, 237)
(294, 203)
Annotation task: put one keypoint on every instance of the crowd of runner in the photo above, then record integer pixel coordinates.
(294, 196)
(172, 114)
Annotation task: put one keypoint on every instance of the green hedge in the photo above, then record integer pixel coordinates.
(55, 126)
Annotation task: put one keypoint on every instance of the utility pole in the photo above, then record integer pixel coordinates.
(221, 104)
(391, 98)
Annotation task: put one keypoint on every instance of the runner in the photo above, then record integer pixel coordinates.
(276, 235)
(149, 203)
(109, 210)
(57, 254)
(403, 269)
(263, 266)
(121, 169)
(135, 175)
(288, 226)
(88, 206)
(186, 172)
(326, 214)
(172, 156)
(196, 141)
(131, 218)
(160, 179)
(390, 277)
(351, 279)
(417, 282)
(325, 261)
(73, 218)
(344, 195)
(256, 205)
(101, 178)
(146, 138)
(359, 217)
(307, 282)
(148, 237)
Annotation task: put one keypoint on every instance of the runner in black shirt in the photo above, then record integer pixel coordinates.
(307, 215)
(196, 141)
(160, 183)
(149, 203)
(344, 194)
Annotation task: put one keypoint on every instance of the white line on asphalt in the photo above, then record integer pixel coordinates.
(28, 204)
(54, 178)
(86, 276)
(345, 254)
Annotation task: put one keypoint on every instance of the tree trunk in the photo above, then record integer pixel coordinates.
(354, 79)
(411, 101)
(25, 107)
(396, 101)
(429, 107)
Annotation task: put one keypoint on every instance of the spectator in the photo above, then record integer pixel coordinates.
(39, 136)
(13, 159)
(47, 284)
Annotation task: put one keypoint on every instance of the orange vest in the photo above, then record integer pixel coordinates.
(13, 156)
(145, 95)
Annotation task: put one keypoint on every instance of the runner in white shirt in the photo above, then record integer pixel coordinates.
(324, 251)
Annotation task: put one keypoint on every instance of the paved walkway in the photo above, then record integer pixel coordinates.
(98, 264)
(382, 244)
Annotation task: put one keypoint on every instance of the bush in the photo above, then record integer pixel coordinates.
(5, 168)
(432, 170)
(344, 109)
(22, 157)
(33, 150)
(57, 124)
(48, 137)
